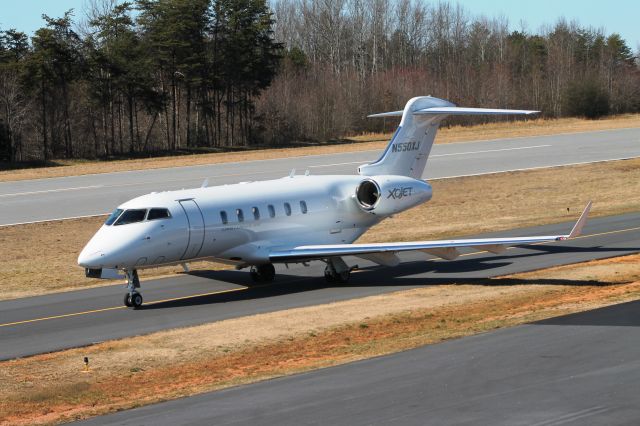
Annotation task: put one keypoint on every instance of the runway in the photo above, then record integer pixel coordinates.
(581, 369)
(58, 198)
(58, 321)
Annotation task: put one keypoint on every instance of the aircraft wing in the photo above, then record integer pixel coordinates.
(384, 253)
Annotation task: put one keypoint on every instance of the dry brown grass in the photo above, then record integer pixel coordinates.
(43, 256)
(364, 142)
(136, 371)
(614, 270)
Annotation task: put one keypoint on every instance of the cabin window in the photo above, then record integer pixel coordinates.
(256, 213)
(158, 214)
(287, 209)
(131, 216)
(223, 217)
(303, 207)
(272, 211)
(115, 215)
(240, 215)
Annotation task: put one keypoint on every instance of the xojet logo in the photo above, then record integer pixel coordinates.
(399, 193)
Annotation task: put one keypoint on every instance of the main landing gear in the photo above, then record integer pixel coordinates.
(263, 273)
(337, 271)
(133, 299)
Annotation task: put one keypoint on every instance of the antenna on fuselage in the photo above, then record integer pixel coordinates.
(293, 173)
(306, 173)
(205, 183)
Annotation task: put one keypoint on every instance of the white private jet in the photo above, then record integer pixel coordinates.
(292, 219)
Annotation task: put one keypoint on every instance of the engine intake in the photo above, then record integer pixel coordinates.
(385, 195)
(368, 194)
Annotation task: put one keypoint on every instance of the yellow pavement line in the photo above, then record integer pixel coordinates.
(619, 231)
(62, 316)
(260, 286)
(155, 302)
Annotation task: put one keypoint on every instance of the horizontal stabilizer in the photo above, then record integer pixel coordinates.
(452, 110)
(386, 114)
(472, 111)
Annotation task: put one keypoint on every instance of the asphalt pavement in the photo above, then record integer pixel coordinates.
(71, 319)
(581, 369)
(58, 198)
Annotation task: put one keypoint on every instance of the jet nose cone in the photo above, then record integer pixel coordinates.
(90, 258)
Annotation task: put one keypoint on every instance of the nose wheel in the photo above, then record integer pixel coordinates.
(133, 298)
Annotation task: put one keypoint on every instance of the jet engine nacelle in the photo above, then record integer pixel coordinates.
(385, 195)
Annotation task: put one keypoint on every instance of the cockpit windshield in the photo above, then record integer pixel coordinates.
(122, 217)
(112, 218)
(131, 216)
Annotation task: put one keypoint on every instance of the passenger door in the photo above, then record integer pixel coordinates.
(196, 228)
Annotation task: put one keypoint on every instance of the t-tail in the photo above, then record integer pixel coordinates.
(408, 150)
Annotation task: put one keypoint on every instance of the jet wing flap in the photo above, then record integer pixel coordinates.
(495, 245)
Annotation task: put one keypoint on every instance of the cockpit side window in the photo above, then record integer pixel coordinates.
(112, 218)
(131, 216)
(158, 214)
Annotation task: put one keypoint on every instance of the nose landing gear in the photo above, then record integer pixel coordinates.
(133, 299)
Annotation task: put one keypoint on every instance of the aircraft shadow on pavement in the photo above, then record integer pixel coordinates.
(475, 271)
(621, 315)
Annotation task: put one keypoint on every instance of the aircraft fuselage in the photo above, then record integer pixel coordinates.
(241, 223)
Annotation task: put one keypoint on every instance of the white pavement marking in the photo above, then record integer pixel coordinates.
(534, 168)
(53, 220)
(490, 150)
(17, 194)
(337, 164)
(441, 155)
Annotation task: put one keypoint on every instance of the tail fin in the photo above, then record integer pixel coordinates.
(408, 150)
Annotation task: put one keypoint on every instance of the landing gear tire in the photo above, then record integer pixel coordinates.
(263, 273)
(136, 300)
(133, 300)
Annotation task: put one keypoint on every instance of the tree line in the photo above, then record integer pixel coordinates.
(348, 58)
(136, 77)
(168, 75)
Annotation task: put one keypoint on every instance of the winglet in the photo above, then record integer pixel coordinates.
(577, 228)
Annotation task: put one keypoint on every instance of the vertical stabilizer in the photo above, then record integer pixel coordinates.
(409, 149)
